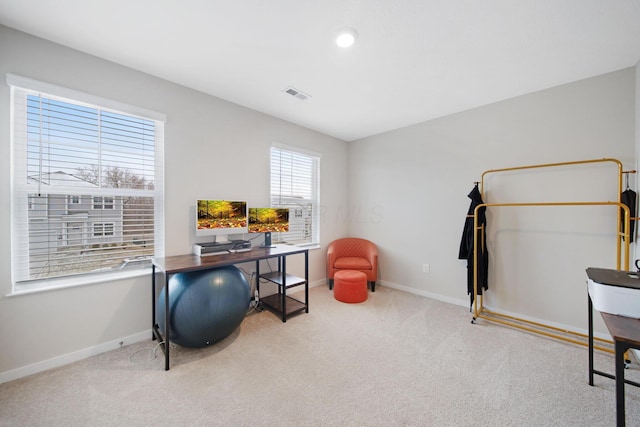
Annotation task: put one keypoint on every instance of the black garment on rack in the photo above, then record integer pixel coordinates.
(466, 245)
(628, 197)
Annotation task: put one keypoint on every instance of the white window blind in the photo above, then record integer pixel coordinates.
(295, 185)
(87, 184)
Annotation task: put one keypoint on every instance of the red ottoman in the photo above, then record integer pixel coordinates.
(350, 286)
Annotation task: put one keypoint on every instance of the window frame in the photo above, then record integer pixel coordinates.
(22, 86)
(101, 203)
(295, 209)
(103, 229)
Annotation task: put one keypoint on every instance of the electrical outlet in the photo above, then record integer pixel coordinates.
(425, 268)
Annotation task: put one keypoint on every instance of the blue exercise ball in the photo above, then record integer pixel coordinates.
(204, 306)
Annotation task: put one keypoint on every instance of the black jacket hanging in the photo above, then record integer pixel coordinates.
(466, 244)
(628, 197)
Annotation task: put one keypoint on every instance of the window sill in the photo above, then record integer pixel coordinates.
(310, 246)
(72, 282)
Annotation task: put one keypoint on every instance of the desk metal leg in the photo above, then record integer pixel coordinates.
(590, 305)
(258, 280)
(153, 301)
(167, 317)
(620, 349)
(156, 333)
(284, 288)
(306, 281)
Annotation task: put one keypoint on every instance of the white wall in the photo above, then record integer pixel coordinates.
(415, 180)
(212, 149)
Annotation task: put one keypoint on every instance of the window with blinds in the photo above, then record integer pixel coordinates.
(87, 183)
(295, 178)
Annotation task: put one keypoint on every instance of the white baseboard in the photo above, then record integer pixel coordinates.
(65, 359)
(596, 334)
(142, 336)
(465, 303)
(454, 301)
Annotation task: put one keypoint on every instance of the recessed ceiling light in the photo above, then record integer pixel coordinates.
(346, 37)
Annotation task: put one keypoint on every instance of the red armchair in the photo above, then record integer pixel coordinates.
(353, 254)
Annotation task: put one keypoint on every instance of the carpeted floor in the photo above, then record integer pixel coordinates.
(396, 359)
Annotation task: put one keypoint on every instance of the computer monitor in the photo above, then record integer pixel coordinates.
(221, 217)
(267, 221)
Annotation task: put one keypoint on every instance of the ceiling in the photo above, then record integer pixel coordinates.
(414, 60)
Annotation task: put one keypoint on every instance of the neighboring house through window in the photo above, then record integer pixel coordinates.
(87, 184)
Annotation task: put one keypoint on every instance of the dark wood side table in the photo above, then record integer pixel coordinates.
(625, 332)
(626, 335)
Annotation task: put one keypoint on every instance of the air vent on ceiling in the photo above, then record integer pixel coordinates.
(297, 93)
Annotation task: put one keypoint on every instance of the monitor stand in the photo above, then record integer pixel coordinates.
(267, 240)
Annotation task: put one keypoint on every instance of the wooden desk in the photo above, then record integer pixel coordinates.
(626, 335)
(279, 303)
(625, 332)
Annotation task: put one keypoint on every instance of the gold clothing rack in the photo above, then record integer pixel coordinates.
(622, 261)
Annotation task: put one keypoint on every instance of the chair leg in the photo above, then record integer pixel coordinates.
(373, 286)
(330, 284)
